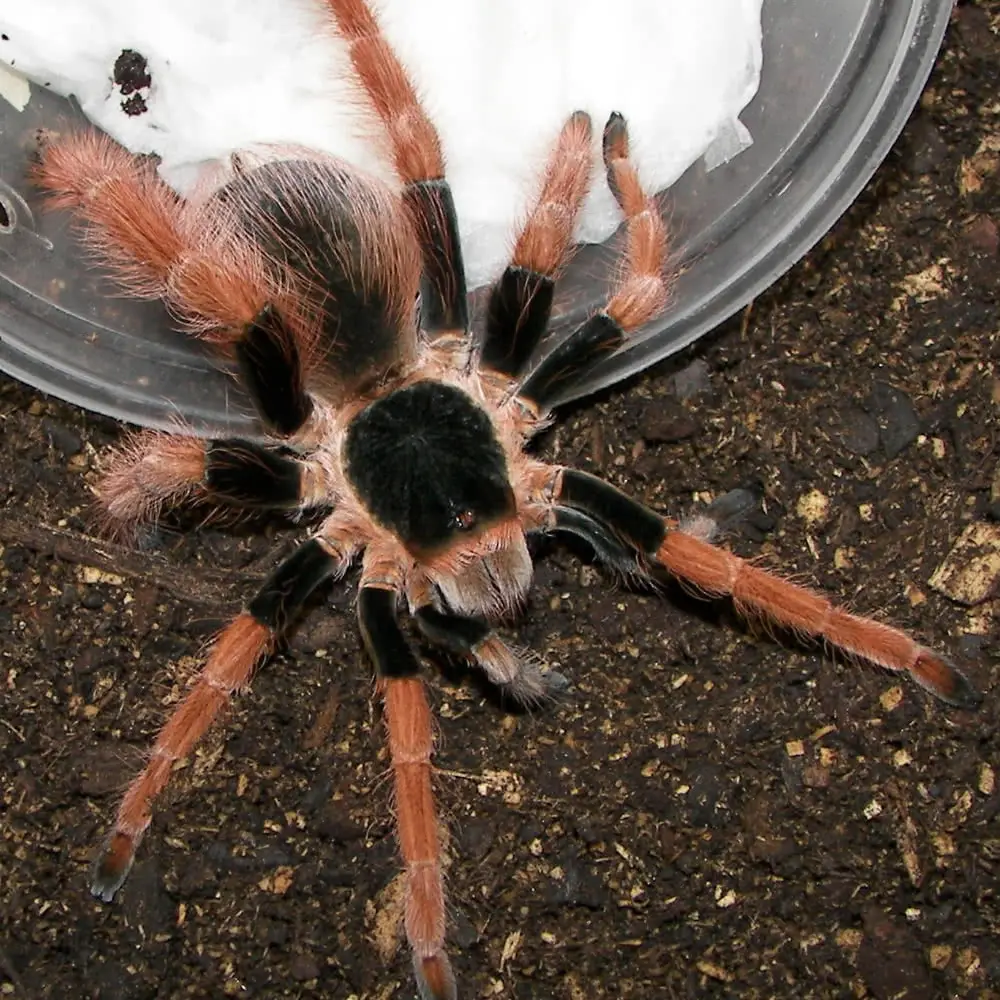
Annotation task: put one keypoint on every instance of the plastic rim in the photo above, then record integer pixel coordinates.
(757, 239)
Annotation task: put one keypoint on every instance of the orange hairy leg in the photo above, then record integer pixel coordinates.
(415, 150)
(414, 141)
(234, 656)
(153, 470)
(756, 593)
(760, 594)
(641, 289)
(547, 234)
(411, 743)
(196, 258)
(521, 300)
(239, 649)
(150, 240)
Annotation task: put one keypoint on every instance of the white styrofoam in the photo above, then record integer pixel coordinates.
(497, 78)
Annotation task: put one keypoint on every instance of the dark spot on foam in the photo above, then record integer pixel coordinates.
(132, 75)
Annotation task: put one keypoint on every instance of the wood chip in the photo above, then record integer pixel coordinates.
(944, 847)
(318, 732)
(511, 946)
(279, 881)
(891, 698)
(987, 780)
(714, 971)
(970, 573)
(813, 507)
(939, 956)
(925, 285)
(906, 841)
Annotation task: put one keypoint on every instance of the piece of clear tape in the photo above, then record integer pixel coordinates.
(732, 138)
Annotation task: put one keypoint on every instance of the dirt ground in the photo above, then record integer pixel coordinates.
(708, 812)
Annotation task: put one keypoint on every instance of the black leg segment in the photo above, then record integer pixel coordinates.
(626, 519)
(384, 639)
(589, 343)
(443, 302)
(251, 475)
(518, 313)
(609, 549)
(289, 586)
(272, 372)
(455, 633)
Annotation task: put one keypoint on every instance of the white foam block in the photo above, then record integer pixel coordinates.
(498, 79)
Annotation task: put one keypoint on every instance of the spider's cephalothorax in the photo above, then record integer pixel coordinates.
(426, 463)
(407, 443)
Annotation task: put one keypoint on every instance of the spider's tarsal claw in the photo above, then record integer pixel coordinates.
(112, 866)
(614, 148)
(615, 139)
(945, 681)
(435, 980)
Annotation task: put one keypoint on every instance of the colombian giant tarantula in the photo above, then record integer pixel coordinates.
(408, 431)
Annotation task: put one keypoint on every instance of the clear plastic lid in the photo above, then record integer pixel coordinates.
(839, 81)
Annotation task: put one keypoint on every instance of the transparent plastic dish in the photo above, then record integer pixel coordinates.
(839, 80)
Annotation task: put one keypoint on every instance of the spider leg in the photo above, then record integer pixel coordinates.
(241, 646)
(156, 245)
(521, 300)
(608, 548)
(640, 292)
(756, 592)
(154, 469)
(472, 638)
(411, 744)
(273, 372)
(134, 220)
(419, 162)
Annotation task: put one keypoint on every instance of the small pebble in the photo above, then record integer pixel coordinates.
(667, 422)
(856, 431)
(66, 441)
(983, 235)
(896, 417)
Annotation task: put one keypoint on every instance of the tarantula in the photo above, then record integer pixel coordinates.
(406, 430)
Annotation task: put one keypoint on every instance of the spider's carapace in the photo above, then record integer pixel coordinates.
(403, 430)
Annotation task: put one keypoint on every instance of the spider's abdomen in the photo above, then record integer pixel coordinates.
(347, 243)
(426, 463)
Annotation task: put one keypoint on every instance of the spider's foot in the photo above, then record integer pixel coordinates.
(533, 687)
(435, 980)
(945, 681)
(112, 866)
